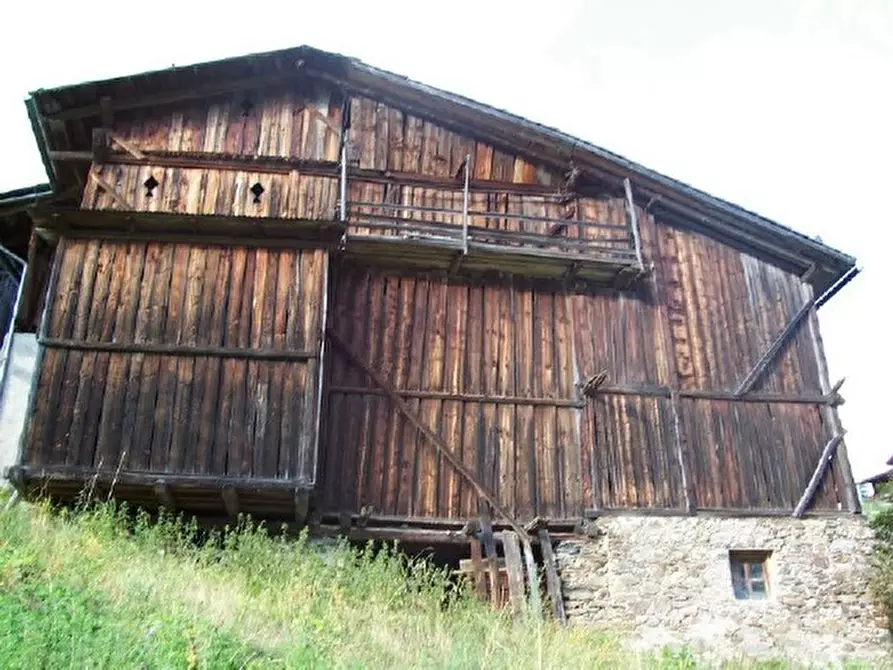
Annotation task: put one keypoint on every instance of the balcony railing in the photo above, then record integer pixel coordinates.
(466, 221)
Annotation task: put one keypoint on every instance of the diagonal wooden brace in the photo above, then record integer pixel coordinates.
(432, 438)
(774, 349)
(120, 200)
(816, 479)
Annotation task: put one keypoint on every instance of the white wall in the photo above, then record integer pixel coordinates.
(14, 402)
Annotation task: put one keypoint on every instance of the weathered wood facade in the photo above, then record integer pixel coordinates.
(231, 226)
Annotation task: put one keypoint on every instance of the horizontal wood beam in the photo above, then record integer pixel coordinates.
(396, 534)
(463, 397)
(721, 512)
(648, 391)
(178, 350)
(408, 535)
(52, 233)
(171, 97)
(275, 165)
(698, 394)
(441, 523)
(237, 229)
(77, 474)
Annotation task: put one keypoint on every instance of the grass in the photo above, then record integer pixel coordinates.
(106, 588)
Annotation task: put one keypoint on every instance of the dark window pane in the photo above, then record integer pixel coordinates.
(758, 590)
(739, 583)
(756, 570)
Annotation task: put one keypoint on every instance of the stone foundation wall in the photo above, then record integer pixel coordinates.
(665, 581)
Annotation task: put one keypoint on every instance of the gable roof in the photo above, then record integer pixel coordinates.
(63, 117)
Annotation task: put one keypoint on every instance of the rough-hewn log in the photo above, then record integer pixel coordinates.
(818, 473)
(720, 512)
(477, 563)
(762, 365)
(464, 397)
(533, 579)
(72, 474)
(489, 542)
(553, 581)
(178, 350)
(515, 569)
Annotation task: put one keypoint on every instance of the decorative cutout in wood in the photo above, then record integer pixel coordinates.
(258, 191)
(246, 105)
(151, 183)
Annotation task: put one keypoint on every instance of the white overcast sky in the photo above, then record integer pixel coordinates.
(782, 106)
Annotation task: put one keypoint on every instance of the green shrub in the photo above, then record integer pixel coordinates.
(882, 569)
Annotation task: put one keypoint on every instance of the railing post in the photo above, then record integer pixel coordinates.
(343, 185)
(633, 223)
(465, 205)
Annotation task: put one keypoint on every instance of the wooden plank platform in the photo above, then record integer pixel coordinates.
(446, 256)
(204, 496)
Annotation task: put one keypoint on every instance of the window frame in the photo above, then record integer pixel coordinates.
(745, 559)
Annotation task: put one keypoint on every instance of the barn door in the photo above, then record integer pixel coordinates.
(179, 358)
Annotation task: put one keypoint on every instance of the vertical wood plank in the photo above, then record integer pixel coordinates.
(515, 569)
(553, 582)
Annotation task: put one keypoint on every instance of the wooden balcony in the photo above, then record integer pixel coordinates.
(458, 230)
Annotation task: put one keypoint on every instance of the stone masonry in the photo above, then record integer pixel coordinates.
(665, 581)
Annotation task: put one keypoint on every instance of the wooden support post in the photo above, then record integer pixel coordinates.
(634, 223)
(433, 439)
(480, 584)
(815, 480)
(101, 144)
(302, 505)
(553, 582)
(533, 579)
(465, 197)
(489, 543)
(515, 570)
(163, 493)
(106, 113)
(230, 501)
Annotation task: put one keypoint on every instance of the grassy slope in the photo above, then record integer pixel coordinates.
(100, 589)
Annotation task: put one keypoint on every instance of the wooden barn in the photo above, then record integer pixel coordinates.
(293, 285)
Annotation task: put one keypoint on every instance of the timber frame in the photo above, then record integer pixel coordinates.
(558, 234)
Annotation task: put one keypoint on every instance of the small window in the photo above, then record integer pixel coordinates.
(750, 574)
